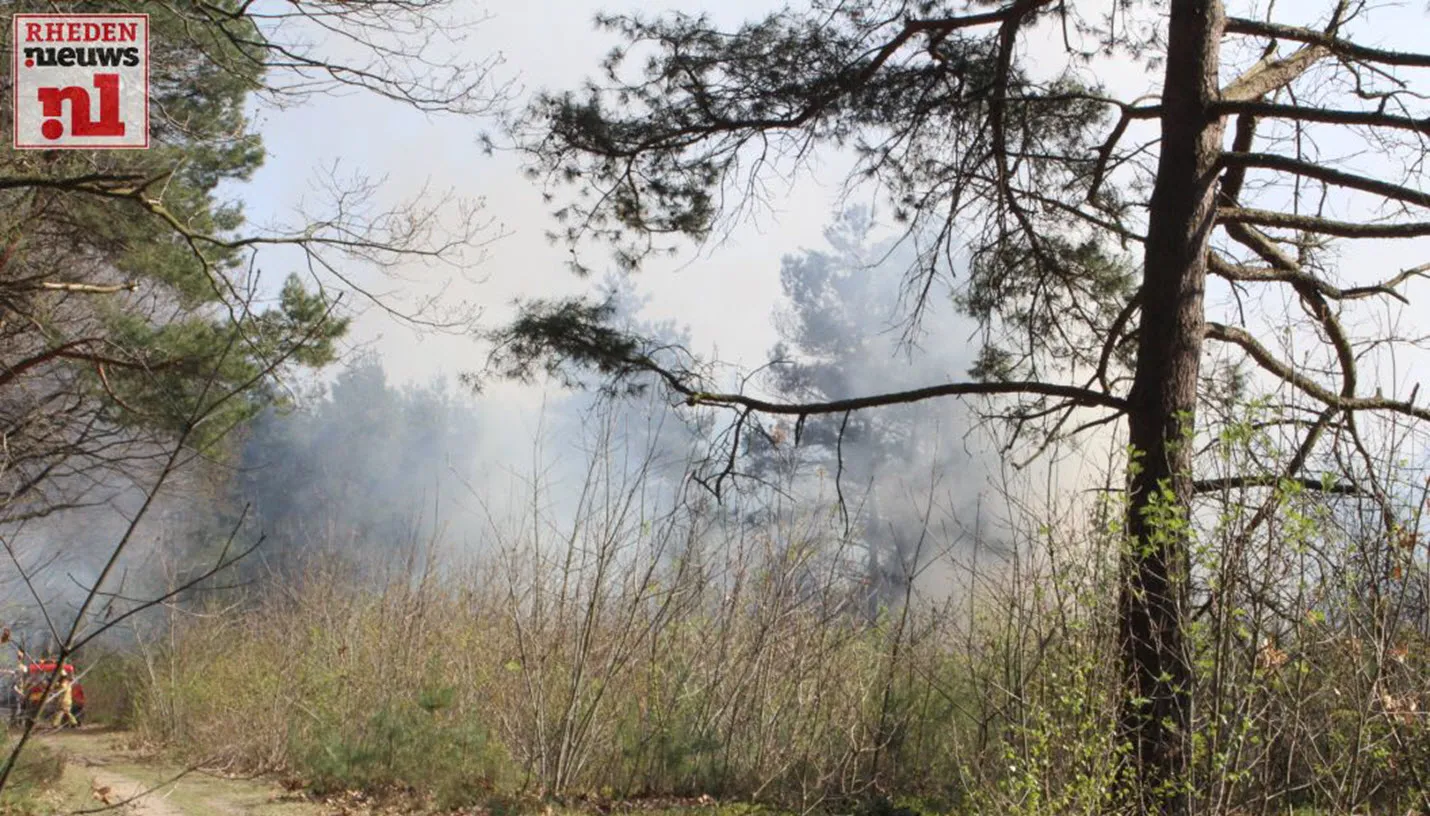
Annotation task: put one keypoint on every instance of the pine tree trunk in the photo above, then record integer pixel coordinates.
(1157, 713)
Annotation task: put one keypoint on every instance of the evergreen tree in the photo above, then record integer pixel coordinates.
(841, 333)
(131, 309)
(361, 476)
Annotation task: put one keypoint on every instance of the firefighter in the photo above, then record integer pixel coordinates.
(16, 693)
(22, 670)
(64, 704)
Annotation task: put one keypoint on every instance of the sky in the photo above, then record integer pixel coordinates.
(545, 44)
(724, 293)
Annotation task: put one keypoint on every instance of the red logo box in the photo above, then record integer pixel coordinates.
(81, 81)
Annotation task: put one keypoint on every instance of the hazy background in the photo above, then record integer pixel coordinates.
(411, 444)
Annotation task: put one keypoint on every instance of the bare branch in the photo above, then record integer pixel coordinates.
(1273, 480)
(1286, 373)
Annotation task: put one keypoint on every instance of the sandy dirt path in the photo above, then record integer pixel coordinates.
(101, 772)
(112, 788)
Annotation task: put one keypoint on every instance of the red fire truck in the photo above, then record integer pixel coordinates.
(32, 689)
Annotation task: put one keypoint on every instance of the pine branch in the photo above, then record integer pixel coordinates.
(1324, 226)
(1307, 113)
(1079, 396)
(1270, 75)
(89, 288)
(1336, 45)
(1305, 169)
(1227, 270)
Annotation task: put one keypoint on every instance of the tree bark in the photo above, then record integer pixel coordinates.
(1157, 707)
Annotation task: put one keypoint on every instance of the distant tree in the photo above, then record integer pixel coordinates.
(1086, 227)
(361, 475)
(841, 333)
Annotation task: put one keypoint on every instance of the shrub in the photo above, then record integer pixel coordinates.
(38, 772)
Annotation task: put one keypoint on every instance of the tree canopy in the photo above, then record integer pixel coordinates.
(135, 307)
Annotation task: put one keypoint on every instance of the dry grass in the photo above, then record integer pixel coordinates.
(634, 652)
